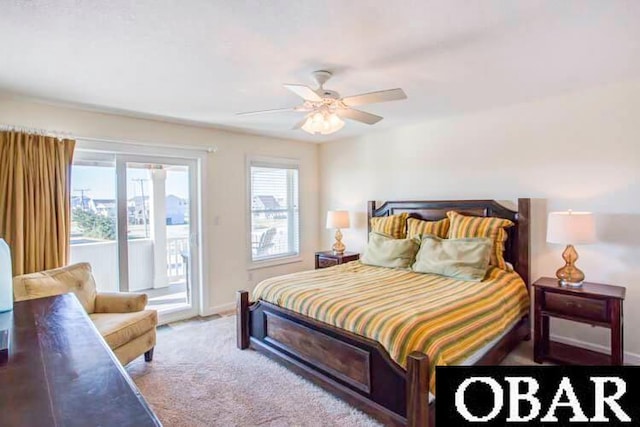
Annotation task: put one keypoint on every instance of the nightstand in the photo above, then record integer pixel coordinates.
(329, 259)
(593, 303)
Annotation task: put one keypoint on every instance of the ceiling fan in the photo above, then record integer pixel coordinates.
(325, 109)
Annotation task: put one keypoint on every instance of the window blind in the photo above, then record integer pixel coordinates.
(275, 221)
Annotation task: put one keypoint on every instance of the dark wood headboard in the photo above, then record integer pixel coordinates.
(517, 245)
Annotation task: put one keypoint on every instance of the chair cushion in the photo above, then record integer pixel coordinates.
(76, 278)
(121, 328)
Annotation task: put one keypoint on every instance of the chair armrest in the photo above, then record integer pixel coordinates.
(120, 302)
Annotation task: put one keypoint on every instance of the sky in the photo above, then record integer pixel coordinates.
(100, 182)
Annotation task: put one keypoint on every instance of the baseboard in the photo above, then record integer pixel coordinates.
(216, 309)
(629, 358)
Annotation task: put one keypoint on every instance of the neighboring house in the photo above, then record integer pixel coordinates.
(176, 208)
(138, 210)
(267, 203)
(85, 203)
(105, 207)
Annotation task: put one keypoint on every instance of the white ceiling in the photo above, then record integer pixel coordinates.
(204, 60)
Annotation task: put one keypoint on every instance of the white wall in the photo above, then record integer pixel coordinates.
(225, 200)
(578, 151)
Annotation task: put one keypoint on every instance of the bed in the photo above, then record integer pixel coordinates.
(393, 386)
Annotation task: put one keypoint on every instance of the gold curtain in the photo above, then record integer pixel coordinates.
(35, 212)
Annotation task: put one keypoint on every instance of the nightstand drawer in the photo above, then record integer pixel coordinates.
(326, 262)
(574, 306)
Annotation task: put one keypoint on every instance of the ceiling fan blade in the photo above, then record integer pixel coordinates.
(304, 92)
(375, 97)
(300, 123)
(277, 110)
(359, 116)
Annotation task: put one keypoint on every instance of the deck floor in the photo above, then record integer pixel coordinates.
(173, 296)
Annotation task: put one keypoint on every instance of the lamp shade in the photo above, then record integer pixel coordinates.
(338, 219)
(571, 228)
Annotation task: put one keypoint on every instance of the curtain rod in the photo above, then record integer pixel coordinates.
(69, 135)
(37, 131)
(209, 149)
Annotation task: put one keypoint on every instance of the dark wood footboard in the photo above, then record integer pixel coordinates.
(355, 368)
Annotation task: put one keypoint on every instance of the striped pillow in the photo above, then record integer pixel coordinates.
(463, 226)
(392, 225)
(418, 227)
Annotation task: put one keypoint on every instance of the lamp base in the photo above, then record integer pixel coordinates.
(4, 347)
(338, 247)
(570, 275)
(6, 320)
(570, 284)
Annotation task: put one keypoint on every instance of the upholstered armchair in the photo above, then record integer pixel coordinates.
(121, 318)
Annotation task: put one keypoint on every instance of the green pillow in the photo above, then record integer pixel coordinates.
(464, 259)
(385, 251)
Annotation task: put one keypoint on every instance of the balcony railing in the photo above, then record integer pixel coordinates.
(177, 255)
(103, 257)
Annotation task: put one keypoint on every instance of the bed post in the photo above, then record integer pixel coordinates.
(524, 258)
(242, 319)
(371, 206)
(417, 389)
(524, 215)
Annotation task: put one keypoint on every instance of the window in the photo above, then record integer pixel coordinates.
(274, 210)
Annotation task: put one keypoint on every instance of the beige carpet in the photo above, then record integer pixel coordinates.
(199, 378)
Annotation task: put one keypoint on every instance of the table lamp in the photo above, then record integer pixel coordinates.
(571, 228)
(338, 220)
(6, 300)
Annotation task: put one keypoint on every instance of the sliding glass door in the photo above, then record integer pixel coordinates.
(135, 221)
(93, 217)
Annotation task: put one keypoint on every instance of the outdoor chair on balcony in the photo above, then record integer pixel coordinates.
(121, 318)
(266, 242)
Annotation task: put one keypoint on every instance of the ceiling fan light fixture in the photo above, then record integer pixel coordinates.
(322, 123)
(322, 105)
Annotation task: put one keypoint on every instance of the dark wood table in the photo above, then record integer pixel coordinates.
(60, 372)
(326, 259)
(592, 303)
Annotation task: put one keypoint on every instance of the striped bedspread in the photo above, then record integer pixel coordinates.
(445, 318)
